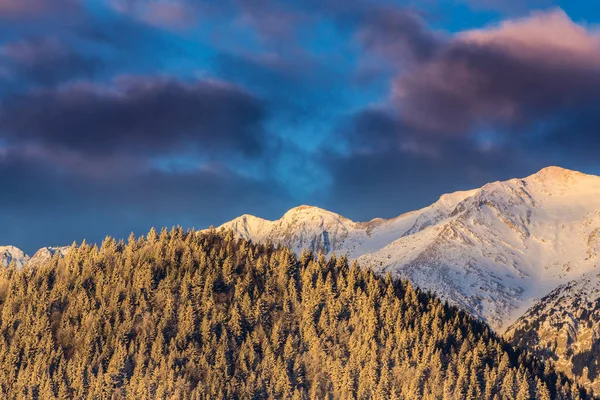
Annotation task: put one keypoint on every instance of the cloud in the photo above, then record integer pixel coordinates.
(504, 77)
(398, 34)
(137, 115)
(45, 60)
(19, 8)
(480, 105)
(45, 199)
(173, 14)
(508, 6)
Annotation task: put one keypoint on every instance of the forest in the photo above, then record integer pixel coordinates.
(205, 315)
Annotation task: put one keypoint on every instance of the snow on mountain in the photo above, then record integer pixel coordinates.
(492, 251)
(11, 253)
(564, 326)
(319, 230)
(46, 253)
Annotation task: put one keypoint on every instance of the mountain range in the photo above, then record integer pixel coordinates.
(522, 255)
(493, 251)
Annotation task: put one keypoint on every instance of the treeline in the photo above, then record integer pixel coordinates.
(187, 315)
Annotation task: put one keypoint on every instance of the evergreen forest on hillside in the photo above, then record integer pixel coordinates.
(190, 315)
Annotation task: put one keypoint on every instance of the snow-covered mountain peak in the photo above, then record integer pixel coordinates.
(46, 253)
(558, 175)
(9, 254)
(492, 250)
(310, 212)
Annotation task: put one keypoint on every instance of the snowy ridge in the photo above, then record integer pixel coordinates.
(11, 253)
(493, 251)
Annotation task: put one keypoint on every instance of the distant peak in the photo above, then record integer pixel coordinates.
(557, 174)
(246, 218)
(308, 210)
(305, 208)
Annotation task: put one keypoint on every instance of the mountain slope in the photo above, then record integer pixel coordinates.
(564, 326)
(493, 251)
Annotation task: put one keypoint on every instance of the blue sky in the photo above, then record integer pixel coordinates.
(119, 115)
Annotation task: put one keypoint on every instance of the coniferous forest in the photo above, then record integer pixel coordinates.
(188, 315)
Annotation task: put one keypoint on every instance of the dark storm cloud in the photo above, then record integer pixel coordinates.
(44, 60)
(151, 115)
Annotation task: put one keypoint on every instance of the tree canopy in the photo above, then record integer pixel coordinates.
(189, 315)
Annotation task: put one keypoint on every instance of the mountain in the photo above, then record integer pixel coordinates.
(564, 326)
(11, 253)
(46, 253)
(492, 251)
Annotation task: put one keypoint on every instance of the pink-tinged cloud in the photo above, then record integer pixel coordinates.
(21, 6)
(171, 14)
(503, 76)
(10, 8)
(29, 52)
(551, 36)
(272, 20)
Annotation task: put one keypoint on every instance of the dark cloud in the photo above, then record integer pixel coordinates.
(398, 34)
(44, 199)
(45, 60)
(574, 134)
(147, 115)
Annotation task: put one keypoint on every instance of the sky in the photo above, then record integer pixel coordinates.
(119, 115)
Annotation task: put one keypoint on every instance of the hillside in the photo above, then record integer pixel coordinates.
(198, 316)
(564, 327)
(492, 251)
